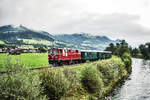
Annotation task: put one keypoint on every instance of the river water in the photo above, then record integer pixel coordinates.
(137, 87)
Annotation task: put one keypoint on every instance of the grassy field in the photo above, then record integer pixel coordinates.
(31, 60)
(33, 41)
(1, 42)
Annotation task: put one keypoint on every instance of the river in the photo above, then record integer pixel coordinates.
(137, 86)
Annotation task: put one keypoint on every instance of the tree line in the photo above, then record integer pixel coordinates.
(142, 51)
(119, 48)
(123, 51)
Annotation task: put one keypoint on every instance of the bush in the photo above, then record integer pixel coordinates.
(126, 58)
(91, 81)
(107, 72)
(92, 98)
(55, 84)
(75, 88)
(19, 84)
(112, 70)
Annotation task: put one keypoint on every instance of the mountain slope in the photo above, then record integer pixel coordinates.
(23, 37)
(86, 41)
(10, 32)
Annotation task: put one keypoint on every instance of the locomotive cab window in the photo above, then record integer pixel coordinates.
(50, 51)
(77, 51)
(69, 51)
(55, 51)
(60, 51)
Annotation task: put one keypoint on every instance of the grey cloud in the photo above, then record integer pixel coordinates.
(115, 25)
(66, 16)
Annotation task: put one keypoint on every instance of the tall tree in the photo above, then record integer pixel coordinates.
(144, 51)
(111, 48)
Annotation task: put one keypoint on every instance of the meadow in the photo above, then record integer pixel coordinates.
(1, 42)
(31, 60)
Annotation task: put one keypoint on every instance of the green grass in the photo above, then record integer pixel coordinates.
(1, 42)
(26, 46)
(31, 60)
(33, 41)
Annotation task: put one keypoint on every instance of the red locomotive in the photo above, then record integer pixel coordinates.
(60, 56)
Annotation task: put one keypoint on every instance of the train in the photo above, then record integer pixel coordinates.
(61, 56)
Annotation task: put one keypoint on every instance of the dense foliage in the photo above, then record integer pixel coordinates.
(119, 49)
(143, 51)
(55, 84)
(122, 50)
(19, 84)
(92, 81)
(86, 81)
(99, 78)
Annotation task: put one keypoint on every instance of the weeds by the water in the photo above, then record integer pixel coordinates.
(89, 81)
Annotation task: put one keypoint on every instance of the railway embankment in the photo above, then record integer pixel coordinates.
(88, 81)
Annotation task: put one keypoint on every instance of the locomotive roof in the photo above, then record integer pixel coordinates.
(66, 48)
(95, 51)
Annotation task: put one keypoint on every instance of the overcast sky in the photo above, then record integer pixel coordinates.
(117, 19)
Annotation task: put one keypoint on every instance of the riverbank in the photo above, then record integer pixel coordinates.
(89, 81)
(137, 86)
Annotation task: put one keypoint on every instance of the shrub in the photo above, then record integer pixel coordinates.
(55, 84)
(75, 88)
(112, 70)
(91, 81)
(92, 98)
(126, 58)
(106, 71)
(19, 84)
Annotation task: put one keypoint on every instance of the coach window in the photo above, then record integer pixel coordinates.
(85, 53)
